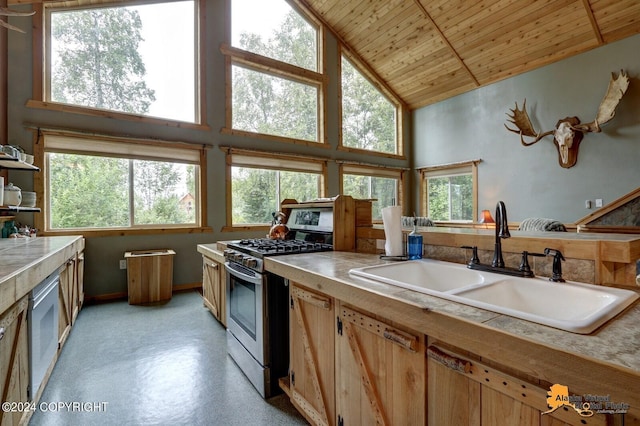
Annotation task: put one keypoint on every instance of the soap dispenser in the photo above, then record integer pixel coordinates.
(414, 242)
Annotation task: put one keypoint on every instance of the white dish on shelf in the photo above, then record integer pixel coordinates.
(28, 199)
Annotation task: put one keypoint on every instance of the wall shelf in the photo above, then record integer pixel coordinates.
(18, 209)
(9, 162)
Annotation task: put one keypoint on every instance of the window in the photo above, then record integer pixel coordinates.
(276, 89)
(271, 105)
(107, 183)
(260, 182)
(273, 29)
(369, 119)
(366, 182)
(449, 192)
(124, 58)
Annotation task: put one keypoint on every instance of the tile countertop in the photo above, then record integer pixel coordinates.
(616, 344)
(24, 262)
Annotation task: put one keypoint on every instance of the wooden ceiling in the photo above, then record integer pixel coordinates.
(430, 50)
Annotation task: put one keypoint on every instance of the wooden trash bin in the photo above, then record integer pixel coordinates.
(149, 275)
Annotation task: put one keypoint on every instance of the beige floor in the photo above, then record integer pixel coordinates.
(160, 365)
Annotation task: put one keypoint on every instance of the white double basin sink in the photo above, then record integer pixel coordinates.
(570, 306)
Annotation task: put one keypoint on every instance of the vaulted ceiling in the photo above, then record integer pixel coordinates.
(430, 50)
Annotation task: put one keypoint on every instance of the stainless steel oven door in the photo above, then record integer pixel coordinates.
(245, 309)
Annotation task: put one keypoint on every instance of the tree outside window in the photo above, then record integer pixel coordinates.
(450, 198)
(87, 191)
(266, 100)
(449, 191)
(256, 193)
(368, 118)
(116, 58)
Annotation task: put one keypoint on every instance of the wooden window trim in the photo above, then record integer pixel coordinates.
(470, 166)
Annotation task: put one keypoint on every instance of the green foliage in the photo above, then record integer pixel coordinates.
(257, 193)
(88, 191)
(156, 193)
(368, 118)
(93, 192)
(254, 195)
(266, 104)
(450, 198)
(98, 63)
(382, 189)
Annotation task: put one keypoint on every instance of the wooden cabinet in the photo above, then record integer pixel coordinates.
(14, 360)
(380, 371)
(353, 368)
(464, 391)
(312, 325)
(214, 290)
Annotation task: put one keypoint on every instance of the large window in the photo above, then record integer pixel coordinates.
(273, 29)
(449, 192)
(100, 184)
(368, 182)
(271, 105)
(276, 89)
(260, 182)
(369, 119)
(124, 58)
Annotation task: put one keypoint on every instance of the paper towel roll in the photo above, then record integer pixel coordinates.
(392, 222)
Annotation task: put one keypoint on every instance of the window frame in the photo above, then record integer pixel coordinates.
(447, 170)
(125, 148)
(265, 161)
(385, 91)
(360, 169)
(41, 67)
(238, 57)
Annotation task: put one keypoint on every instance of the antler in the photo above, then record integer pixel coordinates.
(520, 118)
(617, 88)
(4, 11)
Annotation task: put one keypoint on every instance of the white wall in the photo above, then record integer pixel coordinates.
(529, 179)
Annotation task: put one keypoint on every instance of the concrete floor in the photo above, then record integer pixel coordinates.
(154, 365)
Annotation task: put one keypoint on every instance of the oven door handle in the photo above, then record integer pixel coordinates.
(252, 279)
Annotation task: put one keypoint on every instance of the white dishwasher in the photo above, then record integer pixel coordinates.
(43, 329)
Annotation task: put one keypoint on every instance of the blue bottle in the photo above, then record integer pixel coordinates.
(414, 242)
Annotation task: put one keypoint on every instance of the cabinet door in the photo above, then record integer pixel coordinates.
(79, 280)
(214, 289)
(381, 372)
(463, 391)
(14, 359)
(66, 297)
(311, 374)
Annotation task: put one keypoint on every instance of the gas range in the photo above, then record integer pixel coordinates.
(250, 252)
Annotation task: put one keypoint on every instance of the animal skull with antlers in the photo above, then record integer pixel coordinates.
(569, 131)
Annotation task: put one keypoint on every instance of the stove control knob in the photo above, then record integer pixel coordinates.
(227, 253)
(251, 263)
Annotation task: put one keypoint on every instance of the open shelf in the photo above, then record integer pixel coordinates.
(18, 209)
(9, 162)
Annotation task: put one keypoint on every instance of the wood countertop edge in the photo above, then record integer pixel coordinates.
(20, 282)
(583, 374)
